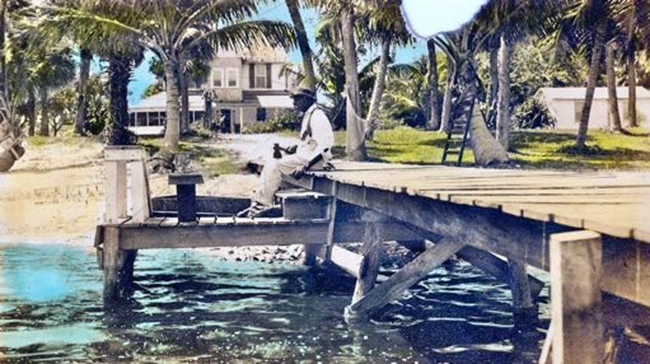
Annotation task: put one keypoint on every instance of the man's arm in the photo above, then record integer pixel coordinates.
(299, 172)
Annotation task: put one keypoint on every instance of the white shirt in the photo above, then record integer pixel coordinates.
(316, 134)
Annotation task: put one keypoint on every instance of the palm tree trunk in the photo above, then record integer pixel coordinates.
(433, 89)
(488, 152)
(378, 89)
(45, 118)
(172, 128)
(612, 98)
(303, 44)
(119, 71)
(82, 102)
(503, 111)
(594, 71)
(446, 104)
(355, 138)
(185, 99)
(631, 79)
(4, 86)
(494, 83)
(31, 110)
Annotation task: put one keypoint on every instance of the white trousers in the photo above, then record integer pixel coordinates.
(272, 173)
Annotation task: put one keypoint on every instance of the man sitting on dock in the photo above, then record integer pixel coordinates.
(313, 151)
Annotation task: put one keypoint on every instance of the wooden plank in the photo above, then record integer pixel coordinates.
(348, 261)
(185, 178)
(123, 153)
(626, 267)
(241, 234)
(394, 287)
(576, 297)
(139, 192)
(115, 191)
(168, 233)
(371, 252)
(331, 228)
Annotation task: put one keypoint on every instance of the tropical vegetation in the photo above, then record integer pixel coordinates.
(495, 64)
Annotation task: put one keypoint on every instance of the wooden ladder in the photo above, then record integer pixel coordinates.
(458, 131)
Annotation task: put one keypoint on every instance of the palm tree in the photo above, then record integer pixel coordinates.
(433, 91)
(303, 44)
(633, 20)
(170, 29)
(380, 23)
(86, 57)
(54, 69)
(406, 97)
(612, 97)
(461, 47)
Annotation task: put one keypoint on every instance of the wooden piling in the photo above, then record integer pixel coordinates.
(371, 252)
(117, 264)
(523, 307)
(576, 260)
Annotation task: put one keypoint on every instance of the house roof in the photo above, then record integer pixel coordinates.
(158, 102)
(578, 93)
(280, 101)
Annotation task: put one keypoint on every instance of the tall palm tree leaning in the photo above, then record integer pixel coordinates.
(381, 23)
(162, 26)
(461, 47)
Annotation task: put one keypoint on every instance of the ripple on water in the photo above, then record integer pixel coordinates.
(194, 307)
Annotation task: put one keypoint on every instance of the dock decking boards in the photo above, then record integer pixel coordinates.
(613, 203)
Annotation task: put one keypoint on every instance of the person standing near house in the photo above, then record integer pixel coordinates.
(313, 151)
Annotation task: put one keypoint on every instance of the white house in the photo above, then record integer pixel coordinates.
(250, 86)
(565, 104)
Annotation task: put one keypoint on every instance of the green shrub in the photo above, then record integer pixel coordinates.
(533, 114)
(283, 121)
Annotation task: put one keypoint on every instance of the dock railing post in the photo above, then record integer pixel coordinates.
(576, 260)
(117, 264)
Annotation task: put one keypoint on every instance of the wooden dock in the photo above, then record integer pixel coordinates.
(588, 229)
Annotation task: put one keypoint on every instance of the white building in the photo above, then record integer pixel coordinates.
(250, 86)
(565, 104)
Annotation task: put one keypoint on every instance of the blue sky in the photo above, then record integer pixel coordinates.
(426, 17)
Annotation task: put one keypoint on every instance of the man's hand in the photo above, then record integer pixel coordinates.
(292, 149)
(299, 172)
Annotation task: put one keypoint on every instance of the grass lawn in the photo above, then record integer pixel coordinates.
(211, 161)
(529, 149)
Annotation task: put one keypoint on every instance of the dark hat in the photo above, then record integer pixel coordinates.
(303, 92)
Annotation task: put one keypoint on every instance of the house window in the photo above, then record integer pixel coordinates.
(232, 75)
(217, 77)
(260, 75)
(261, 114)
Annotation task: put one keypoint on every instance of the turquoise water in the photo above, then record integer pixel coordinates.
(193, 307)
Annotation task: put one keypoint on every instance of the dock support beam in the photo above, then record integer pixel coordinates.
(523, 307)
(117, 264)
(371, 252)
(394, 287)
(576, 265)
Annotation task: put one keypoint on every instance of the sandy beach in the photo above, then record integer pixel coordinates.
(55, 193)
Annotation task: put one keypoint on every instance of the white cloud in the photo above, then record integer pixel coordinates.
(427, 18)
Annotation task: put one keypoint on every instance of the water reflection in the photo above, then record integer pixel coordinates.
(190, 306)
